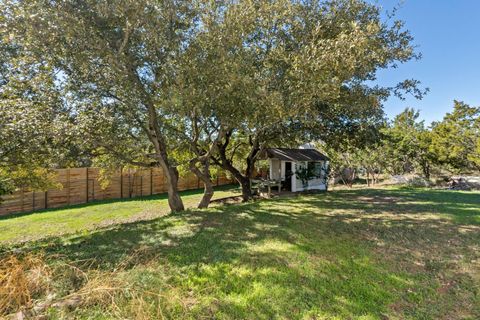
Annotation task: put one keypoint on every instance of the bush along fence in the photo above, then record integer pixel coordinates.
(82, 185)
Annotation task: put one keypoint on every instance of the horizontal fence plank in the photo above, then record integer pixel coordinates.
(82, 185)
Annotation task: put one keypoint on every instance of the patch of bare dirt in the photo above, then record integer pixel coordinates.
(227, 200)
(379, 199)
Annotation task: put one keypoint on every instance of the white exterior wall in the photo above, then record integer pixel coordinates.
(294, 177)
(275, 169)
(277, 172)
(314, 184)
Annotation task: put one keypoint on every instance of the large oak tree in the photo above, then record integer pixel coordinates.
(115, 61)
(217, 81)
(291, 71)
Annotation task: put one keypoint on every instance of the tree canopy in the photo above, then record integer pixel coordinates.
(170, 83)
(456, 139)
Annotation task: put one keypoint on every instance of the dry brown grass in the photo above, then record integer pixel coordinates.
(25, 285)
(26, 289)
(21, 280)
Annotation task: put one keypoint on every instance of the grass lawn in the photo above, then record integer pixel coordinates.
(94, 215)
(346, 254)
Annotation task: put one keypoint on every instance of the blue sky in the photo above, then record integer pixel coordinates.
(447, 33)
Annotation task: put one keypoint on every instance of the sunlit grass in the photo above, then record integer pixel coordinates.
(346, 254)
(85, 217)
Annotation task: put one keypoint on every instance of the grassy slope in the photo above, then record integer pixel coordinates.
(84, 217)
(366, 254)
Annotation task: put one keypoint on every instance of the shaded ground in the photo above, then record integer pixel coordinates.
(348, 254)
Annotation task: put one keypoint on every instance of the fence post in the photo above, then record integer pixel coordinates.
(86, 188)
(121, 182)
(68, 186)
(23, 196)
(151, 181)
(130, 184)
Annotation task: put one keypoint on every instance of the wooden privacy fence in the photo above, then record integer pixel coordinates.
(82, 185)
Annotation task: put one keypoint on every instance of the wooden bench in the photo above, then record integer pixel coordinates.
(264, 183)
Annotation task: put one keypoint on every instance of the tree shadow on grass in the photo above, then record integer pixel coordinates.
(311, 256)
(419, 221)
(461, 207)
(255, 261)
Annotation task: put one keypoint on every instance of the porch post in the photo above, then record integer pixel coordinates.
(270, 169)
(294, 177)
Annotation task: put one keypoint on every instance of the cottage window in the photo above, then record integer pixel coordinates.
(315, 168)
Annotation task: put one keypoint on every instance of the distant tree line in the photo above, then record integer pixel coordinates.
(406, 145)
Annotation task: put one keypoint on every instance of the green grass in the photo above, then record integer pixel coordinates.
(85, 217)
(346, 254)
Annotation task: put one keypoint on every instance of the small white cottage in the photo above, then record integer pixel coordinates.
(298, 169)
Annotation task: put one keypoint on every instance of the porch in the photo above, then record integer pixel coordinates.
(294, 170)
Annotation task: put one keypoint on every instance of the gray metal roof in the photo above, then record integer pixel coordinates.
(287, 154)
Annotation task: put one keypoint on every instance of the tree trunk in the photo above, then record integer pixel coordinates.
(351, 178)
(171, 173)
(207, 195)
(174, 201)
(246, 189)
(204, 176)
(243, 180)
(426, 170)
